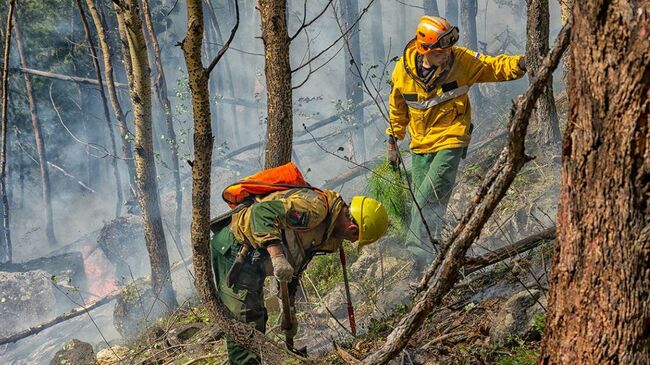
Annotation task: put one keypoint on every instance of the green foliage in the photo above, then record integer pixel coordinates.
(386, 185)
(521, 355)
(325, 270)
(540, 323)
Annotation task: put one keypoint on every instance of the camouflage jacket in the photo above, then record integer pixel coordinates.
(302, 218)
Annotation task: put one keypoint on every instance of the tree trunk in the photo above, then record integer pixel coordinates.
(5, 240)
(145, 167)
(161, 91)
(40, 145)
(279, 126)
(468, 38)
(127, 152)
(107, 114)
(545, 114)
(431, 7)
(598, 301)
(451, 11)
(377, 26)
(353, 89)
(201, 169)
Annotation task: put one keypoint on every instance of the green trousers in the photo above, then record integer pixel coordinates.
(434, 175)
(245, 299)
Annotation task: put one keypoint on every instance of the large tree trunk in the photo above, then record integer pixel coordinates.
(40, 145)
(279, 126)
(451, 11)
(107, 114)
(5, 240)
(353, 90)
(377, 30)
(431, 7)
(201, 169)
(536, 48)
(598, 302)
(145, 167)
(161, 91)
(127, 152)
(469, 39)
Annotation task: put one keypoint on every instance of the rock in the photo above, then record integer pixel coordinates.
(336, 301)
(26, 298)
(517, 317)
(122, 241)
(135, 308)
(369, 266)
(113, 355)
(75, 352)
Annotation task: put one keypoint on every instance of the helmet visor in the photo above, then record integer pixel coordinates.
(446, 40)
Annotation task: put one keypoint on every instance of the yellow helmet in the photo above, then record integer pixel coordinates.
(371, 217)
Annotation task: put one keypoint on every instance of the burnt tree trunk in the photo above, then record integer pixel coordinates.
(353, 90)
(545, 114)
(6, 237)
(127, 152)
(431, 7)
(145, 167)
(40, 144)
(107, 114)
(598, 302)
(451, 11)
(469, 39)
(201, 169)
(377, 30)
(161, 92)
(279, 125)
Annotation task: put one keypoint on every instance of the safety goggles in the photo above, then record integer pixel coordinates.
(446, 40)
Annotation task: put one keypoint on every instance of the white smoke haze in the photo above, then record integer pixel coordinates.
(80, 214)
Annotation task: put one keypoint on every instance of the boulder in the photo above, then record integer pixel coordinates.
(517, 317)
(26, 298)
(135, 308)
(75, 352)
(122, 241)
(113, 355)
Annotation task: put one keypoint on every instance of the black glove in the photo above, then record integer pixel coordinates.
(522, 63)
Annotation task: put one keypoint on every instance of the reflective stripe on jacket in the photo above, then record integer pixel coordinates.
(440, 118)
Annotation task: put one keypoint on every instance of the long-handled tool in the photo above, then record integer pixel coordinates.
(285, 321)
(353, 323)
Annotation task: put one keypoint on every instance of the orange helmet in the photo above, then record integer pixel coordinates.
(434, 34)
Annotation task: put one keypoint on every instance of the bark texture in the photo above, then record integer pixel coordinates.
(431, 7)
(201, 168)
(545, 115)
(599, 311)
(279, 126)
(6, 237)
(127, 151)
(107, 114)
(161, 91)
(145, 168)
(353, 91)
(38, 139)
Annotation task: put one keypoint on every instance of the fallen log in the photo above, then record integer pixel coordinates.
(55, 76)
(473, 264)
(77, 311)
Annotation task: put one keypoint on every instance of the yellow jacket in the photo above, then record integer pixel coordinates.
(440, 119)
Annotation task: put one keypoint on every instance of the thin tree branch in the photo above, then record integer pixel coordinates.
(304, 25)
(223, 49)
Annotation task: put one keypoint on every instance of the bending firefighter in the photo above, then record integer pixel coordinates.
(429, 98)
(278, 235)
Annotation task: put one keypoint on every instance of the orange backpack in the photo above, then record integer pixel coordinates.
(264, 182)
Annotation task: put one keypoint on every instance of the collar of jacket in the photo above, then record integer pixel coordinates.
(409, 59)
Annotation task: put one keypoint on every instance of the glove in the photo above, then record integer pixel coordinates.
(522, 63)
(290, 332)
(282, 269)
(393, 157)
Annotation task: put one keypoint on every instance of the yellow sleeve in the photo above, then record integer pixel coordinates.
(486, 68)
(398, 110)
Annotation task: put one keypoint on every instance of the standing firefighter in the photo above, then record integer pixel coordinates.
(278, 235)
(429, 95)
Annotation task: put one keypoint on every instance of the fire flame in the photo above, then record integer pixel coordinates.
(100, 274)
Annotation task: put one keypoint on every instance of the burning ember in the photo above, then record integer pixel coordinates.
(100, 273)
